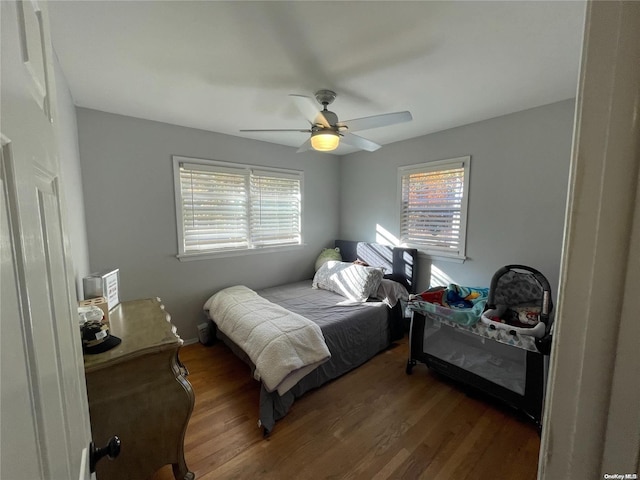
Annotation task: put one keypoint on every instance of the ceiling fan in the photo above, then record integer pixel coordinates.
(326, 131)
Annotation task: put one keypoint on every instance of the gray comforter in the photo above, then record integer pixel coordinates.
(353, 332)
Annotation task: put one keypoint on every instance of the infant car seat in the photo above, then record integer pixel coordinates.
(520, 302)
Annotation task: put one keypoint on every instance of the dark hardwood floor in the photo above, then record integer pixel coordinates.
(375, 422)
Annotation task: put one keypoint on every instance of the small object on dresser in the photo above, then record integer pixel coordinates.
(103, 284)
(96, 337)
(100, 302)
(89, 312)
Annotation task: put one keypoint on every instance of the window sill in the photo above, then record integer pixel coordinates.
(189, 257)
(444, 258)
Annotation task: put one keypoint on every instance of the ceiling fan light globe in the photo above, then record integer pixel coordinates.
(325, 141)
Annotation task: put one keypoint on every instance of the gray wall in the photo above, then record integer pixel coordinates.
(518, 189)
(71, 178)
(127, 175)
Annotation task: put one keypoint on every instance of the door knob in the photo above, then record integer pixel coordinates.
(111, 450)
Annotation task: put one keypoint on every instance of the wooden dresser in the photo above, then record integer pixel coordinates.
(139, 392)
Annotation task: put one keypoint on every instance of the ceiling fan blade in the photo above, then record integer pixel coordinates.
(307, 107)
(376, 121)
(305, 146)
(306, 130)
(360, 142)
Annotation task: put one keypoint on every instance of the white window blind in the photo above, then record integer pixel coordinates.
(214, 208)
(275, 209)
(222, 207)
(434, 206)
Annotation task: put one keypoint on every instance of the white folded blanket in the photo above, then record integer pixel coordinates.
(283, 346)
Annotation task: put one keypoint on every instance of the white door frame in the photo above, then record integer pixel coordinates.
(592, 420)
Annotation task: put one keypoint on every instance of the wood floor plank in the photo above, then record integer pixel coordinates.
(375, 422)
(470, 448)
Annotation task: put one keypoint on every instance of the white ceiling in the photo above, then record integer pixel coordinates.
(226, 66)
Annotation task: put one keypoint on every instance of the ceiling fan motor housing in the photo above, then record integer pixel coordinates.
(330, 117)
(325, 97)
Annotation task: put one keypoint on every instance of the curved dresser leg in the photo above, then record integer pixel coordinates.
(181, 472)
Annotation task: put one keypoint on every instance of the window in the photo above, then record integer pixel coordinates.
(224, 207)
(433, 206)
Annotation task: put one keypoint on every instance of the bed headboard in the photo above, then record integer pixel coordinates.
(401, 264)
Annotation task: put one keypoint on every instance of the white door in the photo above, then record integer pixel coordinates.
(44, 423)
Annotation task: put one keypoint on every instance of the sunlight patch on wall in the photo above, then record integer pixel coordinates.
(385, 237)
(438, 277)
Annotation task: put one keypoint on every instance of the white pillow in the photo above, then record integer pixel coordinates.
(390, 292)
(349, 280)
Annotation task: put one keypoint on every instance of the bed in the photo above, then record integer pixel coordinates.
(354, 331)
